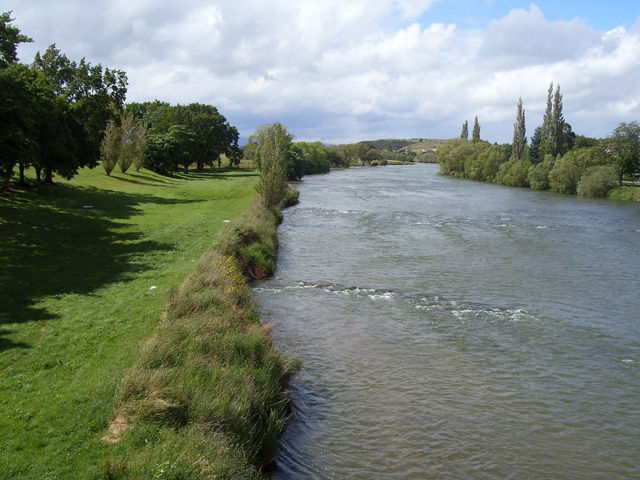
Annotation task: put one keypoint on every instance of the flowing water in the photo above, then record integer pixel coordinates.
(454, 329)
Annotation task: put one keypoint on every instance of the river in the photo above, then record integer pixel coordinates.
(456, 329)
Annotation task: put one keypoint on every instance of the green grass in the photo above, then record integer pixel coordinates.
(77, 303)
(625, 192)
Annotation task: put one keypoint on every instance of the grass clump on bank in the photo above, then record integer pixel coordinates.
(210, 376)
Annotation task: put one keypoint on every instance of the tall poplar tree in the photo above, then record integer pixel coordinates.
(476, 131)
(545, 132)
(465, 130)
(557, 124)
(519, 133)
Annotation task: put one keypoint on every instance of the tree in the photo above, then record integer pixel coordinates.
(10, 38)
(87, 97)
(19, 113)
(545, 131)
(185, 146)
(597, 181)
(519, 133)
(160, 152)
(476, 130)
(275, 143)
(534, 150)
(123, 143)
(556, 127)
(465, 130)
(624, 145)
(110, 147)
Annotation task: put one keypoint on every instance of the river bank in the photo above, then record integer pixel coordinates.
(93, 301)
(208, 396)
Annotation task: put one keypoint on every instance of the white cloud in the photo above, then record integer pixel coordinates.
(343, 71)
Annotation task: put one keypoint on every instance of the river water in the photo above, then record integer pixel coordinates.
(455, 329)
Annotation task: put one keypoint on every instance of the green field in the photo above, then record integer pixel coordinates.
(80, 291)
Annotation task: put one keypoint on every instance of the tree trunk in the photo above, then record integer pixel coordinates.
(38, 174)
(5, 183)
(21, 167)
(48, 176)
(186, 168)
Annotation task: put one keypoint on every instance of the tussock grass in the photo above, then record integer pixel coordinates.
(210, 376)
(253, 240)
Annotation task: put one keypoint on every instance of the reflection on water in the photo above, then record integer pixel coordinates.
(457, 329)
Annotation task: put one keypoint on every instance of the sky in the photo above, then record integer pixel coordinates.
(342, 71)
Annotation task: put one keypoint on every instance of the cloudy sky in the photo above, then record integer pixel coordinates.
(349, 70)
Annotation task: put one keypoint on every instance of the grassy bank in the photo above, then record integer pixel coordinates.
(81, 291)
(207, 398)
(625, 192)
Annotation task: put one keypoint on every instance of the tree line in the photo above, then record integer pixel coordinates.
(58, 115)
(556, 159)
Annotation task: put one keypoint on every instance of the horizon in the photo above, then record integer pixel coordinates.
(342, 73)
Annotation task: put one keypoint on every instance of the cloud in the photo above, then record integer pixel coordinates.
(344, 71)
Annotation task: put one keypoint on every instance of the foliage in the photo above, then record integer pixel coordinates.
(10, 38)
(538, 176)
(519, 133)
(465, 130)
(557, 160)
(90, 94)
(274, 147)
(514, 173)
(454, 156)
(476, 130)
(625, 148)
(123, 143)
(597, 181)
(53, 112)
(110, 147)
(566, 173)
(161, 153)
(199, 133)
(318, 157)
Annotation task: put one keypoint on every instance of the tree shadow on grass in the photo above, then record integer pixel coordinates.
(51, 245)
(214, 173)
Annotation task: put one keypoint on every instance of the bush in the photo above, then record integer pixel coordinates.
(565, 175)
(453, 155)
(598, 181)
(514, 173)
(538, 176)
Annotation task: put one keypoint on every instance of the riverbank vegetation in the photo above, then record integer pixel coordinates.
(82, 289)
(112, 365)
(556, 159)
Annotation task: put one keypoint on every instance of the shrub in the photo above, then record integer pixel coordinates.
(453, 154)
(514, 173)
(538, 176)
(597, 181)
(565, 175)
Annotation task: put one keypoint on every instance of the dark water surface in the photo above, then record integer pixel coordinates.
(454, 329)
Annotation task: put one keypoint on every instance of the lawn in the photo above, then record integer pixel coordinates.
(80, 290)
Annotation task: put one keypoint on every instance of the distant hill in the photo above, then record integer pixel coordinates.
(392, 144)
(416, 145)
(424, 144)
